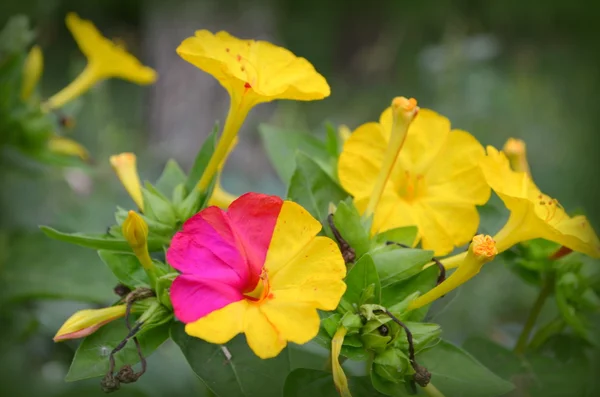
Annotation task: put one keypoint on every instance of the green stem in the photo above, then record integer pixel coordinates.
(432, 391)
(547, 288)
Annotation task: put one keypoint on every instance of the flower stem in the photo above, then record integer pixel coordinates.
(432, 391)
(86, 79)
(547, 288)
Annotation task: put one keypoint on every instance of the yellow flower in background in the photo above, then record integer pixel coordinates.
(65, 146)
(86, 322)
(481, 251)
(252, 72)
(533, 214)
(435, 182)
(125, 166)
(32, 71)
(344, 132)
(516, 152)
(106, 59)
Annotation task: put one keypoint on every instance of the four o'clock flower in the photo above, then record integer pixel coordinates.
(257, 269)
(252, 72)
(86, 322)
(125, 166)
(106, 59)
(533, 214)
(481, 251)
(434, 181)
(32, 71)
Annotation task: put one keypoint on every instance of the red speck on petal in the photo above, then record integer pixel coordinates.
(271, 296)
(239, 57)
(227, 49)
(247, 86)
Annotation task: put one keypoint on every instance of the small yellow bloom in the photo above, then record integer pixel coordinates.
(435, 182)
(252, 72)
(86, 322)
(65, 146)
(516, 151)
(135, 231)
(481, 251)
(339, 377)
(32, 71)
(534, 214)
(106, 59)
(125, 166)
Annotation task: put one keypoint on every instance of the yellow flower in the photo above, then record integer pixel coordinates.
(32, 71)
(65, 146)
(86, 322)
(533, 214)
(106, 59)
(481, 251)
(434, 183)
(125, 166)
(252, 72)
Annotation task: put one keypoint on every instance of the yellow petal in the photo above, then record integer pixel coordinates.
(258, 69)
(107, 58)
(262, 337)
(32, 71)
(66, 146)
(295, 322)
(220, 197)
(125, 166)
(86, 322)
(220, 326)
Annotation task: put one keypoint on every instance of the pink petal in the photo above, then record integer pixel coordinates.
(200, 250)
(195, 297)
(253, 217)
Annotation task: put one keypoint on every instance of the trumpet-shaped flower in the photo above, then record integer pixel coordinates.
(252, 72)
(434, 183)
(106, 59)
(65, 146)
(257, 269)
(481, 251)
(32, 71)
(86, 322)
(125, 166)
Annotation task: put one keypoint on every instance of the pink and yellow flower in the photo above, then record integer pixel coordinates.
(257, 268)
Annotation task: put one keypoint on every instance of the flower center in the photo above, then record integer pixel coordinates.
(262, 290)
(548, 208)
(411, 186)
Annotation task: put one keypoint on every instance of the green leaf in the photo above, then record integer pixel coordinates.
(158, 207)
(91, 358)
(397, 292)
(171, 176)
(101, 241)
(362, 275)
(312, 188)
(386, 387)
(456, 373)
(396, 264)
(347, 221)
(233, 369)
(304, 382)
(497, 358)
(202, 159)
(37, 267)
(402, 235)
(126, 267)
(283, 146)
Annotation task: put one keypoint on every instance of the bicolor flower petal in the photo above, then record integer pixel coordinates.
(106, 59)
(481, 251)
(125, 166)
(252, 72)
(435, 182)
(86, 322)
(257, 269)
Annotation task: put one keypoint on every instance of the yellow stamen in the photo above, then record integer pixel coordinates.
(481, 251)
(403, 111)
(125, 166)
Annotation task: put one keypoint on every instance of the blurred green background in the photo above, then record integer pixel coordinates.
(497, 69)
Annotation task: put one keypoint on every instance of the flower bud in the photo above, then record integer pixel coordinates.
(68, 147)
(135, 231)
(391, 365)
(125, 166)
(516, 151)
(32, 71)
(481, 251)
(86, 322)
